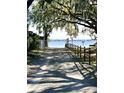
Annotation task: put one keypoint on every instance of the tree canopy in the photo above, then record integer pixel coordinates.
(65, 14)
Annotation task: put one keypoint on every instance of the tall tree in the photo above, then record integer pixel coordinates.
(66, 14)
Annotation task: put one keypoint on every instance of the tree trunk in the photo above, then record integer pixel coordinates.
(45, 38)
(45, 41)
(47, 29)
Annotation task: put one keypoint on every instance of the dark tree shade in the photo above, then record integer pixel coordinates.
(29, 2)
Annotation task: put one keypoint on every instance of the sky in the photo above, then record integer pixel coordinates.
(61, 34)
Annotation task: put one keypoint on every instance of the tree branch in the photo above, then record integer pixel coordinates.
(73, 22)
(92, 24)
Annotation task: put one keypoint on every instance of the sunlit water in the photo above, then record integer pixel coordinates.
(61, 43)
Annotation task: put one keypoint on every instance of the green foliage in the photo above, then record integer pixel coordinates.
(65, 14)
(33, 41)
(72, 29)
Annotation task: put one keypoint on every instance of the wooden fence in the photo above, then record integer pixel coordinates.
(87, 55)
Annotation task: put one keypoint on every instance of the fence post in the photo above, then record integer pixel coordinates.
(96, 56)
(89, 57)
(80, 51)
(84, 53)
(76, 51)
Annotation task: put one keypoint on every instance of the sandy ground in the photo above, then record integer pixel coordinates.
(55, 72)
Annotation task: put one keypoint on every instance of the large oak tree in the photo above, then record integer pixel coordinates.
(49, 14)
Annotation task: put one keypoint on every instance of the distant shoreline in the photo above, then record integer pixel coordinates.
(73, 40)
(61, 43)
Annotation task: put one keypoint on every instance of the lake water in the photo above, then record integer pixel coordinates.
(61, 43)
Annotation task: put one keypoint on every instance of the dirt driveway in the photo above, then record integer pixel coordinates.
(55, 72)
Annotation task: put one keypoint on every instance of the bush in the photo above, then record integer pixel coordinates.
(33, 41)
